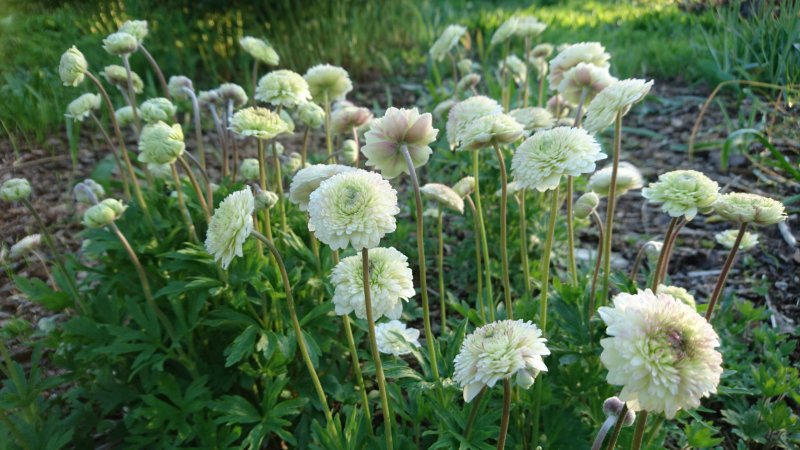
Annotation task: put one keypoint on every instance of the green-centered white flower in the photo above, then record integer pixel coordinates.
(387, 136)
(616, 98)
(742, 207)
(529, 26)
(727, 239)
(15, 189)
(533, 118)
(394, 338)
(120, 43)
(83, 106)
(678, 293)
(448, 39)
(390, 284)
(311, 115)
(160, 143)
(498, 351)
(25, 246)
(231, 92)
(464, 186)
(628, 178)
(587, 52)
(283, 88)
(463, 114)
(103, 213)
(258, 122)
(72, 67)
(230, 226)
(353, 208)
(505, 31)
(136, 28)
(443, 195)
(158, 109)
(683, 193)
(582, 78)
(327, 81)
(542, 159)
(308, 179)
(118, 76)
(486, 131)
(124, 116)
(660, 351)
(260, 49)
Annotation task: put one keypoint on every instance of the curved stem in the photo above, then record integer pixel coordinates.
(504, 231)
(601, 435)
(301, 340)
(234, 146)
(304, 149)
(279, 186)
(478, 264)
(209, 201)
(358, 148)
(348, 330)
(131, 97)
(423, 273)
(223, 145)
(262, 179)
(157, 70)
(712, 301)
(473, 412)
(126, 189)
(198, 192)
(612, 441)
(637, 263)
(545, 269)
(187, 218)
(484, 241)
(198, 129)
(501, 440)
(670, 248)
(440, 269)
(597, 261)
(638, 433)
(523, 244)
(612, 198)
(662, 256)
(376, 356)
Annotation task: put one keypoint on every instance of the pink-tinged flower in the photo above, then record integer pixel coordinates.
(397, 128)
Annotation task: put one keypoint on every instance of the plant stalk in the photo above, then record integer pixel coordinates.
(638, 433)
(440, 268)
(478, 264)
(612, 198)
(187, 218)
(157, 70)
(504, 231)
(523, 244)
(612, 441)
(501, 440)
(348, 330)
(132, 93)
(126, 189)
(197, 190)
(726, 268)
(262, 180)
(484, 240)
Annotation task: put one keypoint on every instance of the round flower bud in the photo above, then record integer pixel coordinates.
(683, 193)
(390, 283)
(15, 189)
(72, 67)
(136, 28)
(311, 115)
(265, 200)
(260, 49)
(628, 178)
(586, 204)
(741, 207)
(533, 118)
(442, 110)
(248, 169)
(328, 83)
(160, 143)
(344, 119)
(543, 51)
(465, 66)
(283, 88)
(443, 195)
(157, 109)
(176, 86)
(448, 39)
(394, 338)
(349, 151)
(233, 93)
(258, 122)
(618, 97)
(586, 52)
(465, 186)
(463, 114)
(124, 116)
(678, 293)
(505, 30)
(230, 226)
(103, 213)
(118, 76)
(653, 250)
(529, 26)
(120, 43)
(25, 246)
(209, 99)
(293, 163)
(515, 67)
(496, 129)
(398, 129)
(83, 106)
(613, 407)
(81, 196)
(582, 78)
(728, 238)
(354, 208)
(469, 81)
(432, 213)
(308, 179)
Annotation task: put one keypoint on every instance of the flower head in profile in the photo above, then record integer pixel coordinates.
(727, 239)
(72, 68)
(442, 110)
(465, 186)
(542, 51)
(136, 28)
(443, 195)
(469, 81)
(465, 66)
(449, 39)
(120, 43)
(390, 284)
(742, 207)
(586, 204)
(293, 162)
(587, 52)
(308, 179)
(678, 293)
(353, 208)
(209, 99)
(260, 49)
(15, 189)
(660, 351)
(498, 351)
(347, 117)
(158, 109)
(311, 115)
(83, 106)
(515, 67)
(505, 31)
(464, 113)
(103, 213)
(327, 82)
(249, 169)
(683, 193)
(349, 151)
(160, 143)
(118, 76)
(231, 92)
(529, 26)
(283, 88)
(28, 244)
(584, 78)
(265, 200)
(230, 226)
(88, 191)
(258, 122)
(628, 178)
(533, 118)
(387, 136)
(616, 98)
(124, 116)
(486, 131)
(178, 86)
(394, 338)
(542, 159)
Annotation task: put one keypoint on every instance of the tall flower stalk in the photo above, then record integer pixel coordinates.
(122, 172)
(610, 207)
(504, 231)
(187, 217)
(484, 240)
(478, 263)
(131, 92)
(523, 242)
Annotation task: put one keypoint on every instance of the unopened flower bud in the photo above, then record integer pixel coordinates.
(176, 86)
(349, 151)
(82, 191)
(586, 204)
(293, 163)
(265, 200)
(249, 169)
(72, 67)
(613, 407)
(15, 189)
(120, 43)
(465, 186)
(103, 213)
(653, 249)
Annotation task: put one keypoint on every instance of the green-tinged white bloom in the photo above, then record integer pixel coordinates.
(230, 226)
(27, 245)
(498, 351)
(529, 26)
(628, 178)
(83, 106)
(118, 76)
(464, 186)
(616, 98)
(587, 52)
(742, 207)
(161, 171)
(124, 116)
(103, 213)
(283, 88)
(541, 161)
(231, 92)
(265, 200)
(177, 87)
(294, 162)
(120, 43)
(582, 78)
(449, 39)
(677, 293)
(158, 109)
(72, 67)
(398, 128)
(344, 119)
(260, 49)
(15, 189)
(248, 169)
(443, 195)
(505, 30)
(728, 237)
(586, 204)
(442, 110)
(515, 67)
(349, 151)
(311, 115)
(308, 179)
(353, 208)
(81, 196)
(464, 113)
(395, 339)
(468, 81)
(533, 118)
(258, 122)
(465, 66)
(542, 51)
(391, 283)
(160, 143)
(683, 193)
(136, 28)
(660, 351)
(486, 131)
(327, 81)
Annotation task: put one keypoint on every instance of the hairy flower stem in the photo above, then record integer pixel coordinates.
(376, 356)
(454, 66)
(440, 268)
(484, 241)
(198, 130)
(573, 268)
(348, 331)
(262, 180)
(523, 244)
(505, 86)
(125, 187)
(526, 91)
(301, 340)
(187, 218)
(663, 255)
(328, 137)
(279, 187)
(726, 268)
(637, 262)
(206, 203)
(358, 148)
(478, 265)
(232, 140)
(304, 149)
(545, 267)
(254, 79)
(540, 100)
(423, 273)
(501, 440)
(670, 248)
(159, 74)
(131, 97)
(601, 435)
(473, 412)
(221, 135)
(638, 432)
(612, 440)
(597, 261)
(612, 198)
(504, 231)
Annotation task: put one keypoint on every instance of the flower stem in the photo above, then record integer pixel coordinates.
(525, 93)
(348, 330)
(358, 148)
(440, 268)
(523, 244)
(455, 73)
(304, 150)
(484, 241)
(612, 441)
(157, 70)
(131, 93)
(423, 273)
(279, 186)
(573, 268)
(262, 179)
(198, 192)
(501, 440)
(478, 264)
(473, 412)
(598, 260)
(663, 255)
(545, 268)
(601, 435)
(638, 433)
(612, 198)
(504, 231)
(125, 187)
(670, 248)
(254, 79)
(712, 301)
(198, 130)
(328, 138)
(187, 218)
(301, 341)
(541, 91)
(376, 356)
(505, 91)
(221, 135)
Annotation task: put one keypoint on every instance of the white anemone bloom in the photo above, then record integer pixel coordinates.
(283, 88)
(587, 52)
(683, 193)
(230, 226)
(308, 179)
(464, 113)
(449, 38)
(395, 338)
(618, 97)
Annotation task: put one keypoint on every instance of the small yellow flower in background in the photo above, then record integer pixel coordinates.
(260, 49)
(160, 143)
(72, 67)
(584, 77)
(683, 193)
(15, 189)
(103, 213)
(742, 207)
(395, 339)
(616, 98)
(327, 81)
(311, 115)
(585, 52)
(80, 108)
(118, 76)
(678, 293)
(505, 30)
(230, 226)
(124, 116)
(258, 122)
(136, 28)
(586, 204)
(443, 195)
(397, 128)
(465, 186)
(231, 92)
(308, 179)
(120, 43)
(283, 88)
(628, 178)
(533, 118)
(158, 109)
(728, 237)
(448, 39)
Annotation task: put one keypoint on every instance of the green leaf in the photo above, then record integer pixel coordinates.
(242, 347)
(39, 292)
